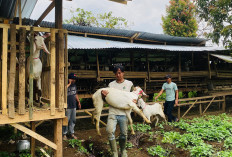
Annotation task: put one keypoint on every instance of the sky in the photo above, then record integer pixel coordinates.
(142, 15)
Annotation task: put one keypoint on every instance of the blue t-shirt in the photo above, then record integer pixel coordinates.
(71, 100)
(170, 90)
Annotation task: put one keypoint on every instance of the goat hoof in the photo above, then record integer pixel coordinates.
(133, 133)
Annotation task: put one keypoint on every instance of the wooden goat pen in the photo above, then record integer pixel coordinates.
(13, 106)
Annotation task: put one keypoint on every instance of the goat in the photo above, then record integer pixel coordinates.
(36, 62)
(152, 110)
(118, 99)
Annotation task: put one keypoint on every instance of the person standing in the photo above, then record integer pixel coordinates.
(118, 116)
(72, 101)
(171, 97)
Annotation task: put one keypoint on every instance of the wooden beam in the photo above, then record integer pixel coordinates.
(189, 108)
(20, 12)
(22, 63)
(58, 14)
(53, 72)
(4, 70)
(60, 69)
(209, 68)
(31, 74)
(35, 135)
(45, 13)
(98, 71)
(33, 128)
(179, 71)
(94, 117)
(208, 105)
(37, 116)
(12, 76)
(58, 137)
(224, 104)
(66, 69)
(148, 68)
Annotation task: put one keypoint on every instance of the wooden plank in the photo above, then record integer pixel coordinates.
(16, 8)
(205, 101)
(148, 68)
(37, 116)
(94, 117)
(53, 72)
(189, 108)
(58, 137)
(33, 128)
(66, 70)
(31, 74)
(61, 69)
(200, 109)
(45, 13)
(224, 104)
(208, 105)
(10, 96)
(35, 135)
(58, 14)
(98, 71)
(4, 70)
(209, 68)
(82, 117)
(22, 63)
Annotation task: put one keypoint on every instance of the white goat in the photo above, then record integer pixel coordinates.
(37, 64)
(118, 99)
(152, 110)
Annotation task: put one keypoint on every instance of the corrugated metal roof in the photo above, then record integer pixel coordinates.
(7, 8)
(77, 42)
(223, 57)
(120, 32)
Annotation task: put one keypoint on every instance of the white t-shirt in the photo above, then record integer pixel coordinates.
(124, 86)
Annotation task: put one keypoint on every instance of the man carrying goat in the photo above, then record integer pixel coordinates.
(118, 116)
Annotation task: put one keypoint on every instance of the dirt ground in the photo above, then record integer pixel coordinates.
(85, 131)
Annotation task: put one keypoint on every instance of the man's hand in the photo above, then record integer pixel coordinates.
(176, 102)
(134, 101)
(104, 93)
(79, 105)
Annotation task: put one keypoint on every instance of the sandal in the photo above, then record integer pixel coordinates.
(73, 136)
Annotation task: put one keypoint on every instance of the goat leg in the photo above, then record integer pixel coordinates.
(139, 112)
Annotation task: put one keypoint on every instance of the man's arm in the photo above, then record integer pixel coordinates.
(162, 90)
(78, 101)
(177, 96)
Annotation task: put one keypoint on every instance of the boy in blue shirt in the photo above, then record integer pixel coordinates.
(171, 97)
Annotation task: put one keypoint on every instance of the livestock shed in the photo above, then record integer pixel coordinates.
(147, 57)
(19, 47)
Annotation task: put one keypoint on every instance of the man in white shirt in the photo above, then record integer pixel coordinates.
(118, 116)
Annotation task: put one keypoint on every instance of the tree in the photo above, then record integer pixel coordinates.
(180, 20)
(218, 13)
(81, 17)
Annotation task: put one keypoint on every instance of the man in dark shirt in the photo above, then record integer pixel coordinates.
(71, 110)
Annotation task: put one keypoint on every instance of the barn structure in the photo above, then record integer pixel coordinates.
(147, 57)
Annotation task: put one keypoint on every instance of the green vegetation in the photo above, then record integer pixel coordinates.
(180, 19)
(78, 145)
(158, 150)
(140, 127)
(81, 17)
(161, 98)
(129, 145)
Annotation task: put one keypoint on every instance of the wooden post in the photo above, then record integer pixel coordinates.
(11, 81)
(132, 60)
(148, 68)
(22, 59)
(98, 71)
(209, 68)
(58, 137)
(178, 112)
(192, 59)
(224, 104)
(16, 8)
(208, 105)
(31, 73)
(179, 72)
(33, 128)
(200, 109)
(53, 73)
(4, 70)
(20, 12)
(61, 69)
(66, 69)
(189, 108)
(145, 85)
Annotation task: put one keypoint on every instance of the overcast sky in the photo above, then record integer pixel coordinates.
(143, 15)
